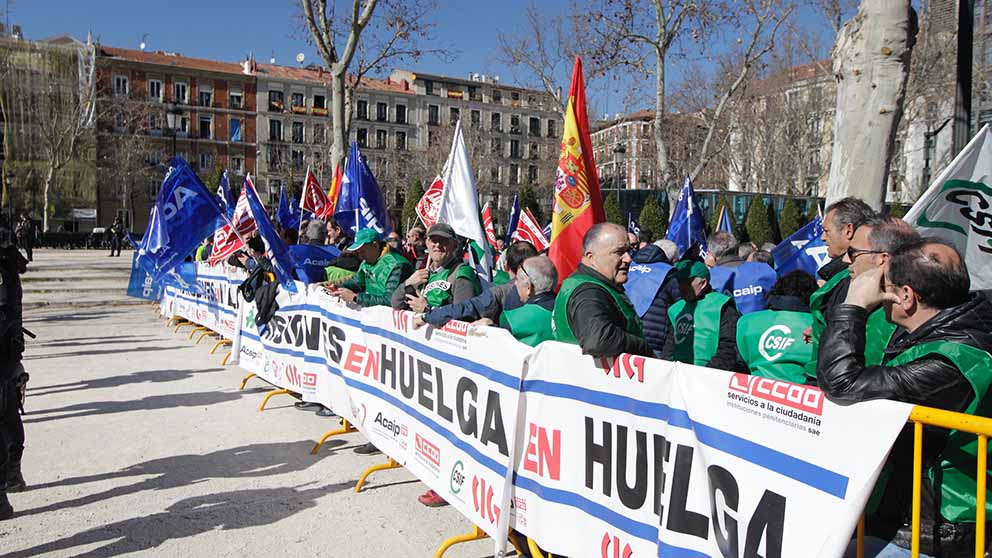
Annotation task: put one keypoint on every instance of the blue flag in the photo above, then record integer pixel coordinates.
(643, 283)
(225, 194)
(513, 221)
(687, 221)
(632, 226)
(288, 214)
(311, 261)
(275, 248)
(140, 284)
(185, 213)
(360, 198)
(804, 250)
(547, 232)
(723, 224)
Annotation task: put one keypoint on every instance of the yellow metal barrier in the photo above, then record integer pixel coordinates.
(980, 426)
(269, 395)
(197, 330)
(345, 429)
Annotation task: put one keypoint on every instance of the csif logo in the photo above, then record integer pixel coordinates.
(804, 398)
(683, 327)
(457, 477)
(962, 199)
(774, 342)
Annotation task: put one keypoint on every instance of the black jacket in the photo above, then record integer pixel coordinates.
(597, 322)
(726, 357)
(839, 293)
(12, 265)
(656, 322)
(931, 381)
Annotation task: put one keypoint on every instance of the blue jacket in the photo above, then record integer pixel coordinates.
(656, 322)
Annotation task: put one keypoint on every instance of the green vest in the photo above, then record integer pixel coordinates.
(201, 253)
(955, 473)
(500, 277)
(771, 344)
(530, 324)
(559, 320)
(819, 320)
(696, 328)
(374, 276)
(438, 289)
(878, 332)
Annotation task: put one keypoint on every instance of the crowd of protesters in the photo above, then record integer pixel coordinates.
(891, 316)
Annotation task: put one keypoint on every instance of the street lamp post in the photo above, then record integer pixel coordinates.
(10, 198)
(172, 117)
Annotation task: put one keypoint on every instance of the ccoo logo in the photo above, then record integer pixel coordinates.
(774, 342)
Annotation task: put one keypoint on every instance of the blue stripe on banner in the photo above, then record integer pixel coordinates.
(207, 303)
(483, 459)
(491, 374)
(786, 465)
(218, 278)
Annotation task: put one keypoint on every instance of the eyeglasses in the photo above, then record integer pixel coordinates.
(853, 253)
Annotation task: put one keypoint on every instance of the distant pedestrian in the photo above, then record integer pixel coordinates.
(26, 233)
(116, 236)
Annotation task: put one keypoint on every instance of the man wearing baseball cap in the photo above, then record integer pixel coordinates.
(381, 272)
(445, 280)
(704, 322)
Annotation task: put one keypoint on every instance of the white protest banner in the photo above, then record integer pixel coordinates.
(645, 457)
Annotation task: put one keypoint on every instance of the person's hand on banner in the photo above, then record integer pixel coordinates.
(808, 335)
(867, 290)
(418, 277)
(418, 321)
(417, 303)
(347, 295)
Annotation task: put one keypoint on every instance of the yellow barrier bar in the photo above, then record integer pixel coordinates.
(535, 551)
(220, 343)
(345, 428)
(861, 536)
(245, 379)
(917, 482)
(983, 454)
(391, 464)
(951, 420)
(175, 319)
(270, 395)
(182, 325)
(197, 330)
(476, 535)
(204, 334)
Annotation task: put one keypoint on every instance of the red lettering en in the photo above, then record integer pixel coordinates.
(372, 365)
(543, 455)
(356, 355)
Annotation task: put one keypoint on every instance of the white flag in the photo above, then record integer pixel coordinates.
(958, 208)
(459, 206)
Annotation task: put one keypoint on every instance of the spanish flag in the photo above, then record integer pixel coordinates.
(578, 203)
(334, 190)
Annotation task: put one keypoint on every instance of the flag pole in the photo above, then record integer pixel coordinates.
(303, 196)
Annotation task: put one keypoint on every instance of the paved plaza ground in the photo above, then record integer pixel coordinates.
(140, 444)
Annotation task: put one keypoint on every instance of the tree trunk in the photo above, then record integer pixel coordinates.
(664, 171)
(49, 177)
(339, 131)
(871, 64)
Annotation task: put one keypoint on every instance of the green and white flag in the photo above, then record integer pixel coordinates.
(958, 208)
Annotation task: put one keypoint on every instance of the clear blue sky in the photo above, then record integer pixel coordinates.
(227, 30)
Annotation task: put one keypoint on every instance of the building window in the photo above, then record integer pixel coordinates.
(275, 130)
(180, 92)
(362, 110)
(121, 85)
(514, 149)
(296, 157)
(532, 173)
(297, 132)
(276, 101)
(235, 128)
(206, 96)
(184, 126)
(495, 174)
(155, 90)
(473, 93)
(496, 122)
(318, 133)
(319, 102)
(401, 114)
(433, 115)
(535, 151)
(206, 161)
(381, 112)
(514, 174)
(534, 126)
(362, 136)
(299, 104)
(401, 141)
(429, 87)
(497, 146)
(497, 96)
(154, 124)
(120, 122)
(380, 139)
(238, 164)
(453, 115)
(476, 119)
(206, 125)
(552, 129)
(514, 95)
(236, 98)
(514, 124)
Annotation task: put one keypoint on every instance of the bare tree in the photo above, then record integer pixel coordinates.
(871, 65)
(130, 154)
(363, 40)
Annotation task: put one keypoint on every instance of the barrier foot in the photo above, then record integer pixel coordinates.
(218, 344)
(476, 535)
(182, 325)
(535, 551)
(345, 428)
(224, 361)
(175, 319)
(391, 464)
(270, 395)
(204, 334)
(245, 379)
(197, 330)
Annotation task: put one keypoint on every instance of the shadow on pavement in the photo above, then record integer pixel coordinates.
(106, 352)
(149, 403)
(62, 343)
(190, 517)
(67, 317)
(145, 376)
(252, 461)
